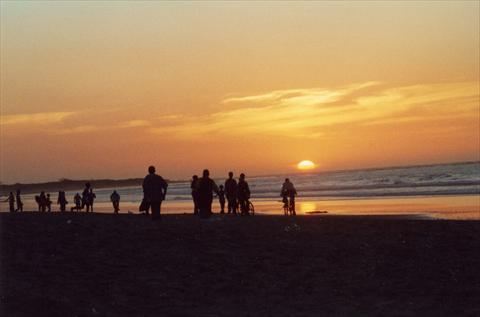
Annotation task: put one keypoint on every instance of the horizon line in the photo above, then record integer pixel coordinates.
(255, 176)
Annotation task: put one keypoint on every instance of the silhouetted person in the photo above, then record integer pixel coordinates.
(115, 199)
(19, 201)
(42, 202)
(206, 187)
(90, 199)
(193, 187)
(78, 202)
(154, 191)
(11, 202)
(243, 194)
(285, 202)
(49, 203)
(231, 193)
(289, 191)
(85, 194)
(62, 201)
(37, 200)
(221, 199)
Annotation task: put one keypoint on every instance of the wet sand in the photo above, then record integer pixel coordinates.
(106, 265)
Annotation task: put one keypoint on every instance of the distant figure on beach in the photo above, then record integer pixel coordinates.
(206, 187)
(154, 191)
(85, 194)
(288, 190)
(19, 201)
(243, 195)
(11, 202)
(90, 199)
(193, 187)
(115, 199)
(42, 202)
(78, 202)
(231, 193)
(48, 202)
(62, 201)
(285, 202)
(221, 199)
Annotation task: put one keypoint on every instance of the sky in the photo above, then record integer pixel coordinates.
(104, 89)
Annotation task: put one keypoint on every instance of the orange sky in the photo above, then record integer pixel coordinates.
(103, 89)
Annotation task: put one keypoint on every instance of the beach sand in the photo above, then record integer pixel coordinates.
(106, 265)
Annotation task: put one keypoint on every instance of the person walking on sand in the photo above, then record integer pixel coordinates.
(289, 191)
(154, 191)
(231, 193)
(115, 199)
(11, 202)
(78, 202)
(193, 187)
(243, 194)
(62, 201)
(19, 201)
(221, 199)
(206, 187)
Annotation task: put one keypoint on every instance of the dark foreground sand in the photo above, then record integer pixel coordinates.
(105, 265)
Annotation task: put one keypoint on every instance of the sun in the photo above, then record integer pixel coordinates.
(306, 165)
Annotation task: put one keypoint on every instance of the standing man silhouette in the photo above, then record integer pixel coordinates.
(206, 188)
(243, 195)
(19, 201)
(154, 191)
(231, 193)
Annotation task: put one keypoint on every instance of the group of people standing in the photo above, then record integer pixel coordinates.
(237, 194)
(11, 199)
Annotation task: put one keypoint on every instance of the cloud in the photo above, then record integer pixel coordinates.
(43, 118)
(134, 124)
(314, 112)
(293, 113)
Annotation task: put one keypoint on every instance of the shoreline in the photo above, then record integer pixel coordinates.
(444, 207)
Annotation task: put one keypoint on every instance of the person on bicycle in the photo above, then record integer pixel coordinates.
(243, 194)
(289, 191)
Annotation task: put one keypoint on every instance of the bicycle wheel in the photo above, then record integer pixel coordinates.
(251, 208)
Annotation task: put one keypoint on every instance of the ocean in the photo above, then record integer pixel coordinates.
(452, 189)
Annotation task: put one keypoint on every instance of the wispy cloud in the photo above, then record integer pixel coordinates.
(313, 112)
(35, 118)
(294, 113)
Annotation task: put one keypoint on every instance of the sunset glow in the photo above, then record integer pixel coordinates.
(104, 89)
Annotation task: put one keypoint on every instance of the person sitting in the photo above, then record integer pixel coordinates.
(115, 199)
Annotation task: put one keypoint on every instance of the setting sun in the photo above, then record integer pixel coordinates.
(306, 165)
